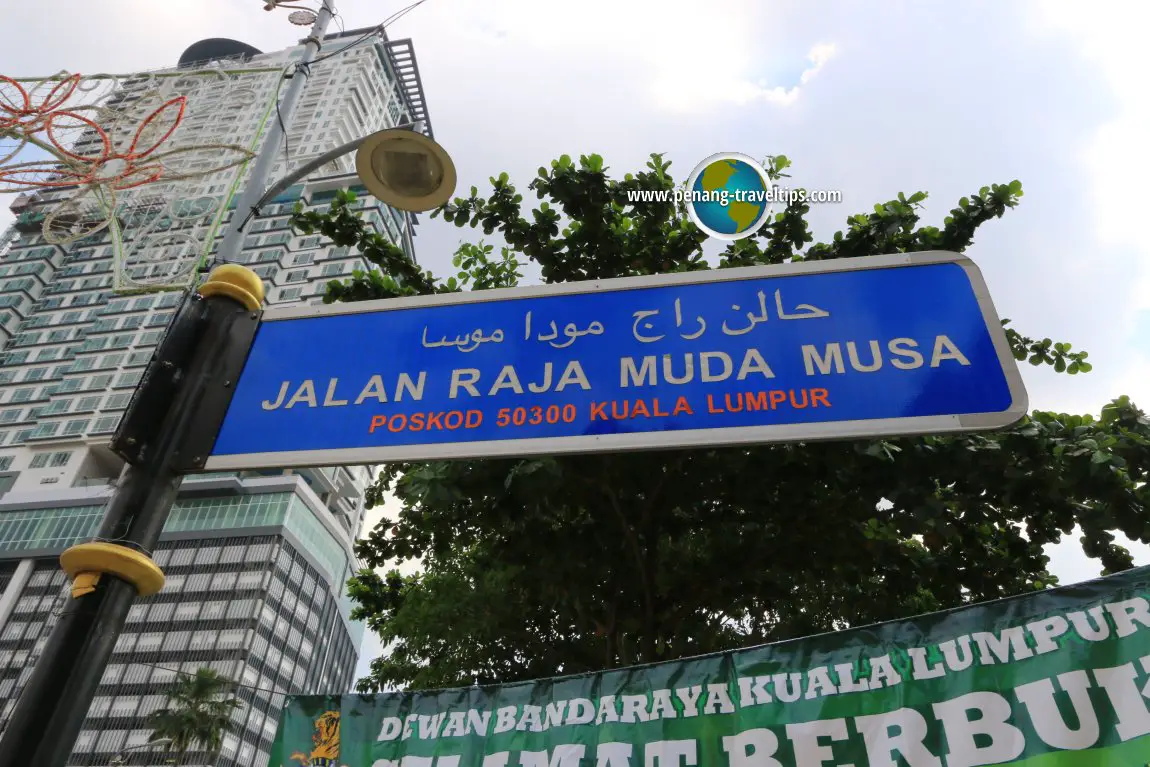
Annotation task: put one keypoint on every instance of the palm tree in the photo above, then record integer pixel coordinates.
(198, 714)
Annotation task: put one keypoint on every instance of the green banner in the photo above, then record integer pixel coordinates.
(1059, 678)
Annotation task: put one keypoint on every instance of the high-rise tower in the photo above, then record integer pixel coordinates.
(256, 562)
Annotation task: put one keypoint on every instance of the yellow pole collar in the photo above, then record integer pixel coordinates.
(85, 562)
(236, 282)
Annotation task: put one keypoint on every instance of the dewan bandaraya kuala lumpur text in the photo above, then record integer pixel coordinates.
(980, 727)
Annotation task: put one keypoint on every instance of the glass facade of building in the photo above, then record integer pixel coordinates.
(57, 529)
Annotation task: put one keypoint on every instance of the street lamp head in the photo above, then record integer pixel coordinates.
(118, 759)
(406, 170)
(302, 18)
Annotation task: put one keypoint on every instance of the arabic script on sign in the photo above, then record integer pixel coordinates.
(644, 329)
(571, 332)
(465, 343)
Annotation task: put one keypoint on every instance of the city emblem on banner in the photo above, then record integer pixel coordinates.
(325, 743)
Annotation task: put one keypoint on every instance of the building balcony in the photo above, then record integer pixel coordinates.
(219, 483)
(320, 480)
(22, 201)
(29, 221)
(94, 482)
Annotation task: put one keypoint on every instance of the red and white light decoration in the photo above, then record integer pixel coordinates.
(97, 159)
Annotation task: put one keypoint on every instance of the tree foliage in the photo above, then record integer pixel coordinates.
(540, 566)
(198, 713)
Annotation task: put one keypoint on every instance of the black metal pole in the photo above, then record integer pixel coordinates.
(196, 358)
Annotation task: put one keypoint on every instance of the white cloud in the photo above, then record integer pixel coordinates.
(819, 55)
(1115, 163)
(703, 90)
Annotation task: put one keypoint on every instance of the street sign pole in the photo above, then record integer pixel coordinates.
(178, 400)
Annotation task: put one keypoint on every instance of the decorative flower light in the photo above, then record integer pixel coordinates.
(86, 157)
(139, 164)
(19, 114)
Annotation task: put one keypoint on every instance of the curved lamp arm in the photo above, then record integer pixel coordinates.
(314, 164)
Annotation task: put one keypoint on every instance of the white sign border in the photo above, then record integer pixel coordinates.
(655, 440)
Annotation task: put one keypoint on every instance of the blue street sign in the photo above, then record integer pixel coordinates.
(851, 348)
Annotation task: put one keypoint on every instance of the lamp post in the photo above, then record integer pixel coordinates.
(118, 759)
(178, 405)
(405, 170)
(278, 131)
(399, 166)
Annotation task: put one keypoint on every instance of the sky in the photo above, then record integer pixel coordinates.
(866, 98)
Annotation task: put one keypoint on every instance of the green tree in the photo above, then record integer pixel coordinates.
(198, 714)
(541, 566)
